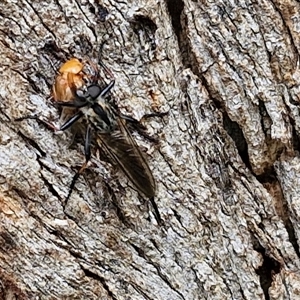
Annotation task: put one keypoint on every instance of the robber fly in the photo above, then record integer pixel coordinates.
(109, 128)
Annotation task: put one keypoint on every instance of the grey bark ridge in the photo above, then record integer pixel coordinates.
(226, 165)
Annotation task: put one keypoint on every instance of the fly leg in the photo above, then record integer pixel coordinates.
(87, 146)
(78, 102)
(65, 126)
(87, 152)
(48, 124)
(36, 118)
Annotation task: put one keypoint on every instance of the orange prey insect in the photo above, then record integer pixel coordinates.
(70, 75)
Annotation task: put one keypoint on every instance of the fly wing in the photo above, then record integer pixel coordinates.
(120, 146)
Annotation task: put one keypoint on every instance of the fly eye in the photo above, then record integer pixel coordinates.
(94, 91)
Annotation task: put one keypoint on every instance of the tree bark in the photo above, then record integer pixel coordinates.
(224, 223)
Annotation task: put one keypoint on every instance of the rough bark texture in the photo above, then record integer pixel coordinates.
(226, 165)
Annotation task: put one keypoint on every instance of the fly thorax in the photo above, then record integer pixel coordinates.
(101, 117)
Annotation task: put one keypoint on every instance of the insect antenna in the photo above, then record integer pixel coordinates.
(101, 63)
